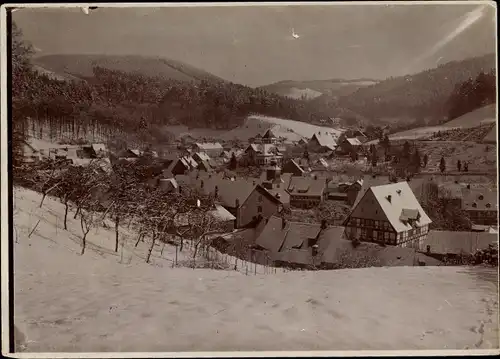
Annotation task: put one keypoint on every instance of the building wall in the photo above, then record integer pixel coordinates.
(352, 194)
(303, 201)
(257, 203)
(483, 217)
(291, 168)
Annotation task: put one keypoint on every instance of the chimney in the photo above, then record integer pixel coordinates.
(216, 191)
(254, 182)
(389, 197)
(283, 222)
(468, 186)
(237, 202)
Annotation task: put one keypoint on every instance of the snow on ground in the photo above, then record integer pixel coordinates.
(65, 302)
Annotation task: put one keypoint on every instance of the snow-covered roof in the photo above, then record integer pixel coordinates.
(209, 145)
(354, 141)
(398, 201)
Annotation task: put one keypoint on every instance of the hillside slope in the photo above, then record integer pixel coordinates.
(65, 302)
(312, 89)
(481, 116)
(418, 96)
(81, 66)
(291, 130)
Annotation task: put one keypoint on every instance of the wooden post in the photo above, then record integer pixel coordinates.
(176, 248)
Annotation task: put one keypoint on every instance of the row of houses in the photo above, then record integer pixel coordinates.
(389, 224)
(33, 153)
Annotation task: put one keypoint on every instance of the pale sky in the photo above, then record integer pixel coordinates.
(254, 45)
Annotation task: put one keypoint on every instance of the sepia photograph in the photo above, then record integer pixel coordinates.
(249, 178)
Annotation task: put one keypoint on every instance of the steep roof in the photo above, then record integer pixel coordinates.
(306, 186)
(451, 242)
(325, 140)
(296, 165)
(479, 200)
(202, 156)
(222, 214)
(401, 200)
(269, 134)
(274, 238)
(353, 141)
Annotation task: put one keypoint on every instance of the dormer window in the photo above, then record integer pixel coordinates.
(474, 205)
(488, 205)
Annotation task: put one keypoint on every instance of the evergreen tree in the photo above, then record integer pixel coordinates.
(426, 160)
(233, 163)
(442, 165)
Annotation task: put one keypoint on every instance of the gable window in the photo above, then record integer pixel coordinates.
(260, 198)
(259, 209)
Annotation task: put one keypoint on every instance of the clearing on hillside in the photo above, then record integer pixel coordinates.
(65, 302)
(481, 116)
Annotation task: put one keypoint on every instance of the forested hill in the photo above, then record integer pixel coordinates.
(416, 97)
(81, 66)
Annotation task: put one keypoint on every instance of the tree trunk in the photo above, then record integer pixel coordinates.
(138, 240)
(77, 211)
(66, 208)
(182, 244)
(153, 239)
(84, 243)
(44, 194)
(117, 223)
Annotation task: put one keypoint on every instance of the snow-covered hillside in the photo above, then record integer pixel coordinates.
(107, 301)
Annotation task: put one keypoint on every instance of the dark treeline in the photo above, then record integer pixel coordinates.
(114, 103)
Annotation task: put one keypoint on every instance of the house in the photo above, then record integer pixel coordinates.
(213, 149)
(442, 244)
(322, 142)
(276, 183)
(99, 149)
(204, 162)
(263, 154)
(242, 198)
(289, 243)
(269, 137)
(388, 214)
(181, 166)
(306, 192)
(348, 145)
(291, 166)
(223, 215)
(168, 185)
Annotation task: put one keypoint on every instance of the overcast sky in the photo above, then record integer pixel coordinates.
(254, 45)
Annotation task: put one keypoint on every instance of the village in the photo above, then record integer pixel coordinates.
(294, 205)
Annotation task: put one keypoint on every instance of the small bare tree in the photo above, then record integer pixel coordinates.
(87, 221)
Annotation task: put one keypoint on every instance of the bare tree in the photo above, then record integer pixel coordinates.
(87, 221)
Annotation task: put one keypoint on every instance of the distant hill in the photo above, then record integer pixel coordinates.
(316, 88)
(420, 97)
(81, 66)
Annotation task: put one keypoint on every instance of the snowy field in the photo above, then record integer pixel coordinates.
(106, 301)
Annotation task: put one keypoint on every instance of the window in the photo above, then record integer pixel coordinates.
(488, 205)
(474, 205)
(481, 197)
(260, 198)
(259, 209)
